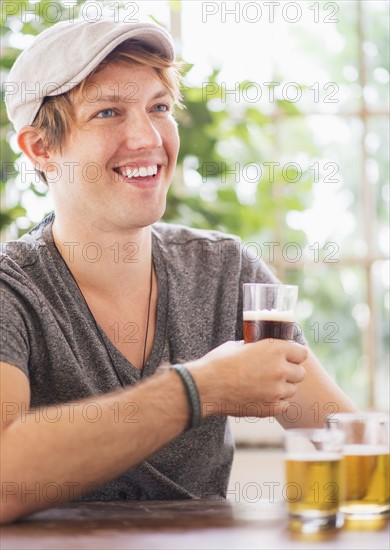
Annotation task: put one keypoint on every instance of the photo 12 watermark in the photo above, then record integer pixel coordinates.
(270, 171)
(292, 412)
(270, 12)
(67, 10)
(270, 92)
(49, 492)
(90, 93)
(89, 412)
(270, 251)
(290, 492)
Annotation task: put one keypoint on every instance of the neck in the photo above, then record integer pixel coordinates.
(105, 262)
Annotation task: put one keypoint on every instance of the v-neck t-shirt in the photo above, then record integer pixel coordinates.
(48, 331)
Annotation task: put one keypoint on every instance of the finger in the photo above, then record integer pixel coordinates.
(290, 391)
(275, 408)
(295, 373)
(296, 353)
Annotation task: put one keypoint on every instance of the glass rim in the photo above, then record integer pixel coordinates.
(346, 417)
(269, 285)
(307, 432)
(324, 441)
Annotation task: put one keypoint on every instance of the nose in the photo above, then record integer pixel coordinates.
(141, 133)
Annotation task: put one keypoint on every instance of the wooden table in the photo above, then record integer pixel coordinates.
(173, 525)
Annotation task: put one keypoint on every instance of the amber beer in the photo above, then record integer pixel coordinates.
(365, 470)
(262, 324)
(365, 467)
(313, 484)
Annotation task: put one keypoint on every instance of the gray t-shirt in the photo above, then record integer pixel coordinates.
(48, 332)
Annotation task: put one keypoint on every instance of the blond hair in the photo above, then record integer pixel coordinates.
(54, 118)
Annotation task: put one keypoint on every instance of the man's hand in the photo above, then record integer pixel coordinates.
(263, 375)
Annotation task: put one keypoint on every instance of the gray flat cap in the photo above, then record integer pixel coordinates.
(66, 53)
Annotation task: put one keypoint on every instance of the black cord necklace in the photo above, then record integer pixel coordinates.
(95, 322)
(148, 315)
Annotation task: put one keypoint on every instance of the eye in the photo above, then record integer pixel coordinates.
(106, 113)
(162, 108)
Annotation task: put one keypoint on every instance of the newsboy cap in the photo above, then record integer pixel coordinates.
(66, 53)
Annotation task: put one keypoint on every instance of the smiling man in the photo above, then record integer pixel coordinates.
(102, 305)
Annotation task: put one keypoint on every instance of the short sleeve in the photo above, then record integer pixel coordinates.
(15, 348)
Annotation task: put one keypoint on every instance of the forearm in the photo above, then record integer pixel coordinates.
(317, 396)
(92, 441)
(78, 450)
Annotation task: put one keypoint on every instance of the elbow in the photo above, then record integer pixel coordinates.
(13, 505)
(10, 510)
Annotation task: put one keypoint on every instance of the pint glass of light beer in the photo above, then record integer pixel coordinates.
(365, 466)
(269, 311)
(313, 472)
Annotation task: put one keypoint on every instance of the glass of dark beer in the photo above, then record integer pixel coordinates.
(269, 311)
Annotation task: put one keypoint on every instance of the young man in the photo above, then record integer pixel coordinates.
(99, 299)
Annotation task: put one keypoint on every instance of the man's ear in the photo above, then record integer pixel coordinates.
(31, 142)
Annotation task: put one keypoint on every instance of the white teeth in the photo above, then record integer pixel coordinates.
(141, 172)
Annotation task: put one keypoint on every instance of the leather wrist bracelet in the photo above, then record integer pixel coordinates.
(193, 396)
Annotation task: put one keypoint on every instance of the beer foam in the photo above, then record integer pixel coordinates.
(365, 450)
(318, 456)
(270, 315)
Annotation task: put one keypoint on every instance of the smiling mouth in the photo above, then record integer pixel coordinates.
(137, 172)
